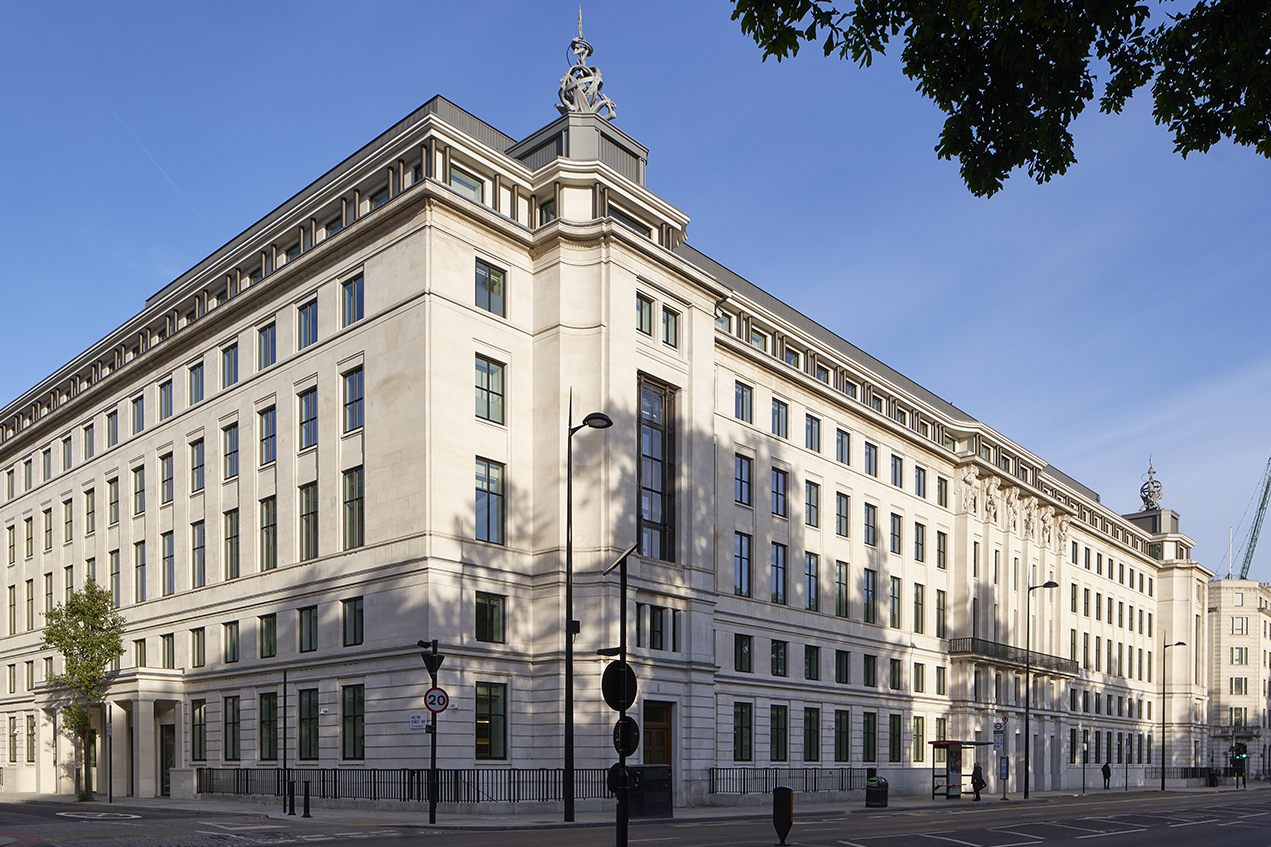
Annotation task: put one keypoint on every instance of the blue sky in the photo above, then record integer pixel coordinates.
(1115, 313)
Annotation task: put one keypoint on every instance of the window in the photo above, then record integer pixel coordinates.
(165, 400)
(308, 741)
(470, 186)
(308, 418)
(378, 197)
(741, 564)
(780, 649)
(196, 383)
(268, 723)
(758, 340)
(897, 471)
(920, 612)
(942, 491)
(352, 401)
(811, 735)
(743, 400)
(920, 542)
(353, 722)
(167, 645)
(308, 629)
(644, 314)
(920, 677)
(198, 730)
(491, 720)
(229, 366)
(138, 426)
(811, 595)
(29, 523)
(742, 645)
(490, 502)
(351, 621)
(48, 530)
(168, 554)
(920, 483)
(742, 466)
(869, 736)
(231, 641)
(895, 533)
(229, 442)
(780, 419)
(894, 603)
(116, 590)
(870, 595)
(893, 738)
(490, 288)
(266, 346)
(308, 324)
(811, 662)
(196, 465)
(743, 720)
(198, 647)
(352, 300)
(268, 635)
(791, 355)
(778, 718)
(842, 513)
(840, 589)
(268, 419)
(871, 459)
(812, 504)
(919, 739)
(489, 389)
(812, 434)
(491, 609)
(308, 521)
(670, 327)
(843, 447)
(871, 525)
(68, 521)
(198, 554)
(780, 482)
(268, 533)
(138, 490)
(90, 448)
(778, 573)
(941, 613)
(942, 547)
(165, 479)
(354, 511)
(657, 470)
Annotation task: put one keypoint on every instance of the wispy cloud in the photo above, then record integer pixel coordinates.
(154, 161)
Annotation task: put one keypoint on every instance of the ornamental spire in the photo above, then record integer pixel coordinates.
(580, 86)
(1151, 490)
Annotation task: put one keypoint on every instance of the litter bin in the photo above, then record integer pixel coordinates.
(876, 793)
(650, 792)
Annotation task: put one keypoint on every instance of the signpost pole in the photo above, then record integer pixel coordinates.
(432, 661)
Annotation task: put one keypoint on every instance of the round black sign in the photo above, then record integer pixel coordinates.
(618, 685)
(626, 735)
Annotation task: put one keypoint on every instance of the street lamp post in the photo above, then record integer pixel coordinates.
(596, 420)
(1028, 670)
(1163, 739)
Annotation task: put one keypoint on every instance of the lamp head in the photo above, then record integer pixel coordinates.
(598, 420)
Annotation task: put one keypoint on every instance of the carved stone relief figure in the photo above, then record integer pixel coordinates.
(1030, 515)
(969, 489)
(1012, 510)
(1063, 529)
(990, 499)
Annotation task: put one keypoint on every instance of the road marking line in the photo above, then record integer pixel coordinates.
(947, 838)
(1254, 815)
(1118, 832)
(1193, 823)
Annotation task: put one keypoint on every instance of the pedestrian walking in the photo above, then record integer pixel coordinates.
(1107, 776)
(977, 781)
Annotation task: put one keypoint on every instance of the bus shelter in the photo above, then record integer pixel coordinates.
(947, 779)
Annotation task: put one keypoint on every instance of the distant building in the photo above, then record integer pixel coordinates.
(346, 431)
(1239, 622)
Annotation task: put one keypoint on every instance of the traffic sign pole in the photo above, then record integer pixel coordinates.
(432, 661)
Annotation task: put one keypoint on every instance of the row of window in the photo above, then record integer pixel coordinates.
(1145, 582)
(743, 662)
(1122, 665)
(1120, 606)
(779, 728)
(307, 325)
(489, 698)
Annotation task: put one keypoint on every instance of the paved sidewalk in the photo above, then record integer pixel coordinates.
(450, 820)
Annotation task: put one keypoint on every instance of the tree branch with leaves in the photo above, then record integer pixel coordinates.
(88, 632)
(1012, 75)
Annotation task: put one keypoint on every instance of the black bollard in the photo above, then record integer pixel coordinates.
(782, 812)
(306, 814)
(291, 797)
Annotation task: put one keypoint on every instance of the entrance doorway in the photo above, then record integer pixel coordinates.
(657, 732)
(167, 758)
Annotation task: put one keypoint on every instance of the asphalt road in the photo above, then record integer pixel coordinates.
(1229, 819)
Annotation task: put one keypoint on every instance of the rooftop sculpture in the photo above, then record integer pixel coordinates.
(580, 86)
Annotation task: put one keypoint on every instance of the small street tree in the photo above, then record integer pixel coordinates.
(88, 632)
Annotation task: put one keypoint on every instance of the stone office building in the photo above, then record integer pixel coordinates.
(347, 429)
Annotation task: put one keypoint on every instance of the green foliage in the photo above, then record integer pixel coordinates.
(88, 632)
(1011, 75)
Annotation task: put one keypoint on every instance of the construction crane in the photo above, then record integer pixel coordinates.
(1251, 541)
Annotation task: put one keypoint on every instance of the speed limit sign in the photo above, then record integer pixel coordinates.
(436, 700)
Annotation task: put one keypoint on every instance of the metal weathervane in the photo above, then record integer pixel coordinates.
(580, 86)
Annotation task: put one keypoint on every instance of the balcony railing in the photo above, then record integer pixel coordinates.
(1009, 654)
